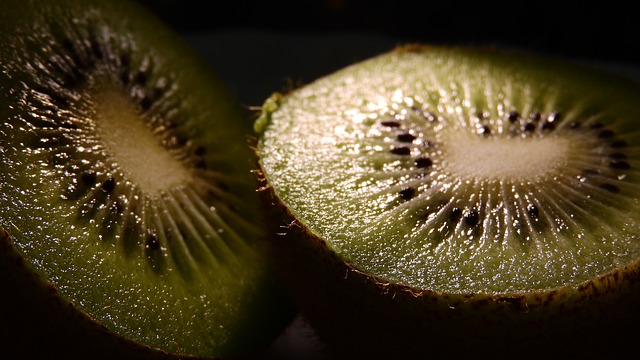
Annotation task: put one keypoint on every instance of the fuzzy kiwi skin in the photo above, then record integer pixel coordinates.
(360, 315)
(36, 319)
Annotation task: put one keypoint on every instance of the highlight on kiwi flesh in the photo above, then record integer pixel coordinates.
(436, 200)
(129, 216)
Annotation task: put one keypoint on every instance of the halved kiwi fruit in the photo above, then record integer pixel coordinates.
(129, 217)
(459, 201)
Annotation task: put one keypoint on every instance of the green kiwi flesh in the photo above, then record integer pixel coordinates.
(458, 200)
(128, 210)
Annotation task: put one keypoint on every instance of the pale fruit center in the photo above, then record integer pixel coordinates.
(472, 157)
(133, 146)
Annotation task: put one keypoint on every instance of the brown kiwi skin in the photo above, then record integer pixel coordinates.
(359, 315)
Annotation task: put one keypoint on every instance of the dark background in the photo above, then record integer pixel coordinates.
(263, 46)
(602, 31)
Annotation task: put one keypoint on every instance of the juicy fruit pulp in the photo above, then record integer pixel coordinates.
(123, 181)
(461, 174)
(458, 201)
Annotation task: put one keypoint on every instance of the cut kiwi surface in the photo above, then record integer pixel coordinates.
(458, 201)
(129, 217)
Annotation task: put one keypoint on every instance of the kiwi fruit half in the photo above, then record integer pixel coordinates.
(130, 224)
(458, 200)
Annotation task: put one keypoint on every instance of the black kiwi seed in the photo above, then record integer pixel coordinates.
(485, 130)
(610, 187)
(140, 78)
(423, 162)
(109, 185)
(89, 178)
(618, 144)
(152, 242)
(146, 103)
(532, 210)
(619, 164)
(406, 137)
(455, 215)
(513, 116)
(401, 150)
(390, 123)
(605, 134)
(471, 217)
(548, 125)
(407, 193)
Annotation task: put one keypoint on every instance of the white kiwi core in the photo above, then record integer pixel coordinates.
(132, 144)
(516, 159)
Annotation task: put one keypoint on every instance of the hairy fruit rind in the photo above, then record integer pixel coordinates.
(458, 200)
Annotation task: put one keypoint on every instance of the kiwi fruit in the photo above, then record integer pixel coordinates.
(130, 226)
(458, 201)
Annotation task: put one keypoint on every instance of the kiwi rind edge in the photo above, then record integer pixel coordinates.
(374, 318)
(563, 320)
(36, 319)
